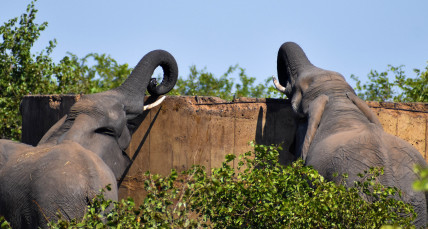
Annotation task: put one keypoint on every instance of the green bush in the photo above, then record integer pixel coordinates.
(422, 183)
(257, 193)
(266, 194)
(23, 72)
(401, 88)
(203, 83)
(3, 223)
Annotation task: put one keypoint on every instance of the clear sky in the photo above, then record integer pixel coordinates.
(350, 37)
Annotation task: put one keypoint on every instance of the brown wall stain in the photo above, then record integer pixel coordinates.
(55, 102)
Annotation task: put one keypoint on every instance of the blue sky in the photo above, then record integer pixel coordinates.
(350, 37)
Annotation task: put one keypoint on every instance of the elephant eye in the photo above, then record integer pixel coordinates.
(106, 131)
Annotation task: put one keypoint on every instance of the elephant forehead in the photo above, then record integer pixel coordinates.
(98, 106)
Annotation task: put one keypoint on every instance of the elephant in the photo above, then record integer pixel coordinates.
(80, 154)
(338, 133)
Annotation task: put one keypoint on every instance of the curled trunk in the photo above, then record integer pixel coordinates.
(291, 62)
(134, 88)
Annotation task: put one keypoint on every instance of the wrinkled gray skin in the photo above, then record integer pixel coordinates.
(339, 132)
(81, 153)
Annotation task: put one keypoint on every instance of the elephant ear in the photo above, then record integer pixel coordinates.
(52, 131)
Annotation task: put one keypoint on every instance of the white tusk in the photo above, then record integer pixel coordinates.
(150, 106)
(277, 85)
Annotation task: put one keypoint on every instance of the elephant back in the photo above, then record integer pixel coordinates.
(50, 179)
(357, 150)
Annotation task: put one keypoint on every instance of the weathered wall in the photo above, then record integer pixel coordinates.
(202, 130)
(188, 130)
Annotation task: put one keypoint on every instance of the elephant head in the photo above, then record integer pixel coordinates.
(81, 153)
(98, 122)
(296, 73)
(291, 62)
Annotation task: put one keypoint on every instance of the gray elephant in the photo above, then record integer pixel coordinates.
(340, 133)
(81, 153)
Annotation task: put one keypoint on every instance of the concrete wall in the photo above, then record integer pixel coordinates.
(202, 130)
(187, 130)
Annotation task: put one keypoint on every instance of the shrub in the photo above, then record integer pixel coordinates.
(3, 223)
(257, 193)
(263, 193)
(382, 87)
(422, 183)
(24, 72)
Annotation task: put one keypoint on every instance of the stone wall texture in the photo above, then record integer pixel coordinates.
(187, 130)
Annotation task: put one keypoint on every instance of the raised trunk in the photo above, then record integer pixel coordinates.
(134, 88)
(291, 62)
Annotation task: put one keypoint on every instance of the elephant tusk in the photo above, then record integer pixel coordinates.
(150, 106)
(278, 85)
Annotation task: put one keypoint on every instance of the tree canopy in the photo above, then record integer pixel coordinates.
(400, 89)
(24, 72)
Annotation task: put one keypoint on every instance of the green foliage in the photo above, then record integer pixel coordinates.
(200, 82)
(23, 72)
(76, 76)
(401, 89)
(4, 224)
(252, 192)
(20, 71)
(167, 202)
(422, 183)
(264, 194)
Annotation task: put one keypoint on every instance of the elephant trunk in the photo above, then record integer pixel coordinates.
(291, 62)
(134, 88)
